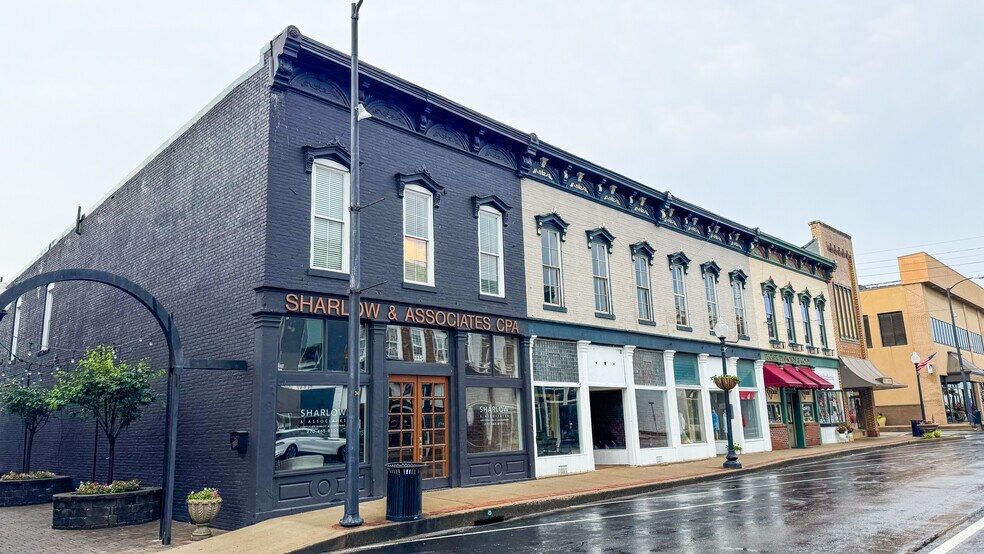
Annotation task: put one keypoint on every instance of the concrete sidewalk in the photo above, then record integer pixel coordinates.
(318, 530)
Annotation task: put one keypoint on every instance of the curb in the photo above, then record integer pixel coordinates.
(444, 522)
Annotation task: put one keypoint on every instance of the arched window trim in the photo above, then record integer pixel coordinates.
(552, 221)
(643, 249)
(600, 235)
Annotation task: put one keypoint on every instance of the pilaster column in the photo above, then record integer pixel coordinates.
(584, 405)
(737, 429)
(762, 404)
(631, 415)
(673, 417)
(704, 375)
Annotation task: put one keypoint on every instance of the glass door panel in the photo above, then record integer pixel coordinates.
(418, 425)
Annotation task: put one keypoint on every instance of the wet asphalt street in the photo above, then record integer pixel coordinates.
(892, 500)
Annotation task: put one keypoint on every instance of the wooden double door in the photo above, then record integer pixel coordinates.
(418, 425)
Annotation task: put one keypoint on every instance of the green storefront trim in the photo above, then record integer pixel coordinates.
(798, 360)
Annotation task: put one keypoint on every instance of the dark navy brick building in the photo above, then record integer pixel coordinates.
(238, 226)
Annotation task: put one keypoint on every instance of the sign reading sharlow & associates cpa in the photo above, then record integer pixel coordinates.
(377, 311)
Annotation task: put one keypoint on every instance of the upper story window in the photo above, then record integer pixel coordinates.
(49, 300)
(787, 310)
(329, 216)
(804, 299)
(552, 230)
(820, 302)
(600, 243)
(847, 323)
(418, 235)
(769, 297)
(490, 252)
(711, 271)
(678, 270)
(738, 295)
(15, 330)
(892, 327)
(642, 259)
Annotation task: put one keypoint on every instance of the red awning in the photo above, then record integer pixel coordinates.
(801, 377)
(812, 375)
(746, 395)
(776, 377)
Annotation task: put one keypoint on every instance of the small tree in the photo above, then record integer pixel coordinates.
(33, 404)
(113, 392)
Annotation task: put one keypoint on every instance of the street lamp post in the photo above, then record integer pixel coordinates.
(915, 362)
(731, 459)
(956, 341)
(351, 516)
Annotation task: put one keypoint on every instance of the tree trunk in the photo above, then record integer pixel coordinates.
(27, 451)
(112, 459)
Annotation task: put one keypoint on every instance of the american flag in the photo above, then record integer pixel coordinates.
(925, 362)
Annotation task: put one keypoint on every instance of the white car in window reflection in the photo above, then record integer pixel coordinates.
(303, 441)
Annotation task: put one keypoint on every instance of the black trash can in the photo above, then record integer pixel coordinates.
(916, 431)
(403, 491)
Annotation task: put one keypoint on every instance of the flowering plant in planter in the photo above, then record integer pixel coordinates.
(726, 382)
(13, 476)
(203, 506)
(98, 488)
(845, 428)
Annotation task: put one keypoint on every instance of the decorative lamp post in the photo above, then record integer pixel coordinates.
(726, 384)
(915, 362)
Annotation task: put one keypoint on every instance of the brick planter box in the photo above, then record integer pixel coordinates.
(32, 491)
(96, 511)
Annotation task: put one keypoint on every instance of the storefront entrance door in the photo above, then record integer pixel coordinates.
(791, 413)
(418, 425)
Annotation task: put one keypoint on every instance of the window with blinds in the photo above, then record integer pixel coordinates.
(329, 216)
(490, 252)
(892, 329)
(418, 241)
(847, 323)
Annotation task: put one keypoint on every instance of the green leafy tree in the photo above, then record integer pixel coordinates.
(112, 392)
(33, 404)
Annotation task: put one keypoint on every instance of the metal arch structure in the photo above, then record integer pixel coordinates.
(176, 359)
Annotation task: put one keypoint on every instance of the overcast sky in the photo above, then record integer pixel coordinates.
(866, 115)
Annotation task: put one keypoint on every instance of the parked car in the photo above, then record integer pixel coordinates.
(303, 441)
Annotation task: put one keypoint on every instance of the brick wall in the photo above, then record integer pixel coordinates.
(780, 436)
(812, 433)
(189, 227)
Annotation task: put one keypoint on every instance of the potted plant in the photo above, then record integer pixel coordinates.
(203, 506)
(881, 419)
(726, 382)
(845, 432)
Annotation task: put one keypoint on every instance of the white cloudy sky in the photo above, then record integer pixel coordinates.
(866, 115)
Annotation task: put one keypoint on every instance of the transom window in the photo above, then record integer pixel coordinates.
(490, 251)
(418, 233)
(329, 216)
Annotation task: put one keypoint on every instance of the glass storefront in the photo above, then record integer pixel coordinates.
(312, 344)
(557, 429)
(486, 354)
(750, 425)
(494, 420)
(719, 415)
(651, 412)
(417, 345)
(311, 426)
(690, 411)
(830, 407)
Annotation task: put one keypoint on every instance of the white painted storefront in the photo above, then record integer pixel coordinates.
(642, 414)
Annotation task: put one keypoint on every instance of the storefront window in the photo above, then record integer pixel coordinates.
(485, 352)
(830, 407)
(417, 344)
(494, 420)
(557, 431)
(690, 412)
(775, 413)
(647, 368)
(312, 344)
(806, 401)
(750, 415)
(719, 415)
(651, 415)
(311, 426)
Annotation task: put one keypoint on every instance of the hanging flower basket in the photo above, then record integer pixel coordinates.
(726, 382)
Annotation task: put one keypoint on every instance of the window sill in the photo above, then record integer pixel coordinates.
(647, 322)
(795, 347)
(777, 344)
(328, 274)
(744, 337)
(44, 351)
(493, 298)
(828, 352)
(812, 349)
(685, 328)
(553, 308)
(601, 315)
(421, 288)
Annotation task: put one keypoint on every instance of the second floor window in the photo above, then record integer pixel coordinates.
(329, 216)
(738, 292)
(599, 265)
(807, 328)
(644, 295)
(680, 295)
(550, 256)
(15, 330)
(49, 301)
(770, 315)
(710, 285)
(787, 308)
(892, 328)
(821, 322)
(490, 252)
(418, 236)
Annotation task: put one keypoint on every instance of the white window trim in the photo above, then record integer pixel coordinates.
(430, 232)
(346, 230)
(708, 291)
(49, 301)
(607, 277)
(686, 297)
(15, 330)
(560, 266)
(649, 287)
(738, 296)
(500, 266)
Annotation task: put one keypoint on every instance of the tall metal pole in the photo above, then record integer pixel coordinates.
(956, 340)
(351, 517)
(922, 408)
(731, 459)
